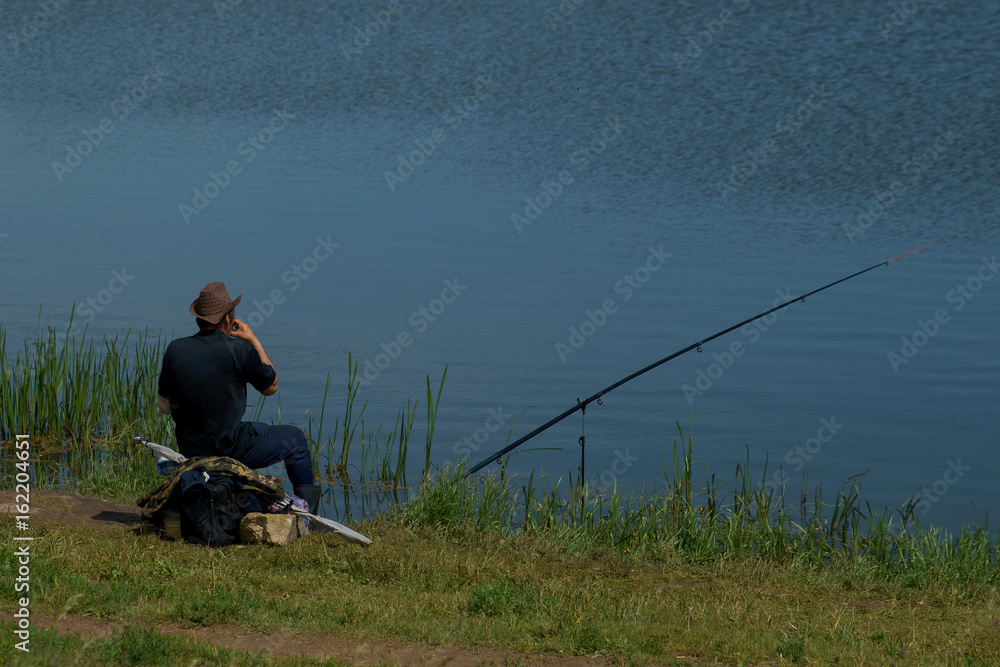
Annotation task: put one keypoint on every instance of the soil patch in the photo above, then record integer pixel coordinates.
(349, 649)
(67, 508)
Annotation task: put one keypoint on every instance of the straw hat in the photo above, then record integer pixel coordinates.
(213, 303)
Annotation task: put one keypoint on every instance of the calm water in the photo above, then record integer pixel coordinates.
(672, 170)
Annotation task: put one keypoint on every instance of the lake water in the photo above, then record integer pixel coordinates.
(471, 184)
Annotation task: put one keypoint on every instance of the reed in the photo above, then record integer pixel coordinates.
(314, 443)
(390, 457)
(81, 401)
(407, 418)
(350, 424)
(78, 391)
(432, 407)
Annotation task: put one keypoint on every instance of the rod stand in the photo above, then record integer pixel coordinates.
(583, 440)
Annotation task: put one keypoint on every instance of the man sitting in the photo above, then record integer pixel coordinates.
(203, 387)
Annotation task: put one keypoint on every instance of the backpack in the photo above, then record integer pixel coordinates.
(212, 494)
(210, 515)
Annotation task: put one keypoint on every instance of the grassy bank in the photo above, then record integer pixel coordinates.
(533, 564)
(452, 578)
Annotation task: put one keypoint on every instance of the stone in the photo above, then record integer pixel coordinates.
(278, 529)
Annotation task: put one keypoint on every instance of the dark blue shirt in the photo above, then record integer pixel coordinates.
(205, 378)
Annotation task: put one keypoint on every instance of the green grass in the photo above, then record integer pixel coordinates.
(530, 591)
(503, 596)
(533, 564)
(853, 541)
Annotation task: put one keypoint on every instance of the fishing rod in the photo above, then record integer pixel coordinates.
(582, 405)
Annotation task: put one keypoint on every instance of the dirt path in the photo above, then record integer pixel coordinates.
(104, 516)
(67, 508)
(324, 647)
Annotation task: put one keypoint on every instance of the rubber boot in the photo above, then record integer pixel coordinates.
(309, 493)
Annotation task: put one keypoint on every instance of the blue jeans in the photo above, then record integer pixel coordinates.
(267, 444)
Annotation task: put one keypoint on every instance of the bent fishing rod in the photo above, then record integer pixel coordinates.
(582, 405)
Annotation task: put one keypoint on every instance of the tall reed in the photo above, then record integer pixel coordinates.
(79, 391)
(81, 401)
(350, 423)
(432, 407)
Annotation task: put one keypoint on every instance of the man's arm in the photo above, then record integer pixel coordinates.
(247, 334)
(163, 404)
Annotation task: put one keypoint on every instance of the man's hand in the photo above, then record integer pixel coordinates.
(163, 404)
(240, 329)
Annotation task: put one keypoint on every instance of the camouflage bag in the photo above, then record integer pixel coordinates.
(268, 489)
